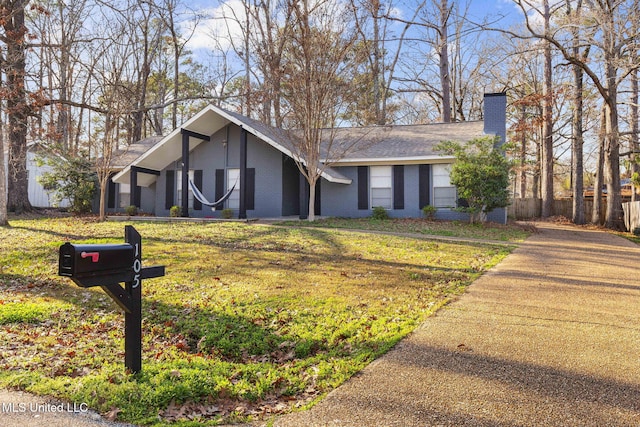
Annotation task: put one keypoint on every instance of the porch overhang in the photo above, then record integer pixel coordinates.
(207, 122)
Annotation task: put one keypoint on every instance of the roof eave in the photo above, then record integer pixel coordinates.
(364, 161)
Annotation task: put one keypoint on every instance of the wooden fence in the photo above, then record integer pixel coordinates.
(523, 209)
(631, 215)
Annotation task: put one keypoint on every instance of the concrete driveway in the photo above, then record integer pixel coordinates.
(549, 337)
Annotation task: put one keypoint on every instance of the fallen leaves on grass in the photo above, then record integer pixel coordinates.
(213, 408)
(112, 415)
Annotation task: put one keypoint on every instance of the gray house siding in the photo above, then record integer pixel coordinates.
(222, 153)
(116, 204)
(342, 200)
(267, 162)
(339, 199)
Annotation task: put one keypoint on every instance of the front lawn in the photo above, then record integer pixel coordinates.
(249, 321)
(457, 229)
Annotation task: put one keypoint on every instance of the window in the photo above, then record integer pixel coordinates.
(444, 194)
(179, 188)
(233, 177)
(125, 195)
(381, 183)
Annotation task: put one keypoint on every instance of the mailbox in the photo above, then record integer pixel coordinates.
(96, 265)
(107, 266)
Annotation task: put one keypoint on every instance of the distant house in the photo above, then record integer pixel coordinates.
(38, 196)
(225, 153)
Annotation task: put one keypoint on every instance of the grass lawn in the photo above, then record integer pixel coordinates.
(488, 231)
(249, 321)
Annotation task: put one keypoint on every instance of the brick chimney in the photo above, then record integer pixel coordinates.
(495, 115)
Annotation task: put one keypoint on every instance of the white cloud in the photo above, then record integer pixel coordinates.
(217, 27)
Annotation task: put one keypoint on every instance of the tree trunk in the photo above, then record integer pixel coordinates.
(4, 220)
(445, 77)
(547, 137)
(312, 198)
(103, 194)
(577, 168)
(17, 111)
(375, 67)
(612, 169)
(596, 213)
(535, 182)
(523, 156)
(612, 137)
(635, 129)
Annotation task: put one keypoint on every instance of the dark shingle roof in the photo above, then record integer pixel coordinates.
(404, 142)
(379, 142)
(123, 158)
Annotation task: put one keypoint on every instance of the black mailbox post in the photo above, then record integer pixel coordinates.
(107, 266)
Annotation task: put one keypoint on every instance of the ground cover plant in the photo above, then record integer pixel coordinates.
(249, 321)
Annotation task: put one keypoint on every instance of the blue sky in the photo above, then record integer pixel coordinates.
(478, 11)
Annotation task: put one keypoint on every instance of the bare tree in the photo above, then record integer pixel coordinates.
(634, 116)
(12, 21)
(116, 104)
(4, 220)
(577, 168)
(316, 86)
(272, 32)
(450, 80)
(444, 11)
(596, 213)
(547, 117)
(635, 132)
(380, 50)
(612, 42)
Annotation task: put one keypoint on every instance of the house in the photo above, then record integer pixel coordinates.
(119, 195)
(250, 165)
(38, 196)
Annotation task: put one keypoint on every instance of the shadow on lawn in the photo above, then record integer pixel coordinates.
(237, 338)
(65, 237)
(209, 330)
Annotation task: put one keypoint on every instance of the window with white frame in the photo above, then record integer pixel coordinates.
(444, 194)
(233, 177)
(381, 179)
(179, 187)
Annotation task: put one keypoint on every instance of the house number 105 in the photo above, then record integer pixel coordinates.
(137, 266)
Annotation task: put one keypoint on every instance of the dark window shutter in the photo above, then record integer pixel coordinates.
(112, 190)
(424, 185)
(219, 183)
(363, 187)
(137, 196)
(398, 187)
(169, 189)
(197, 180)
(318, 198)
(250, 192)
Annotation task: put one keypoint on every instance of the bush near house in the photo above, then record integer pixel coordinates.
(480, 174)
(72, 179)
(379, 213)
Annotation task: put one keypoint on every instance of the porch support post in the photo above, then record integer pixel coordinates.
(242, 214)
(186, 133)
(185, 174)
(134, 186)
